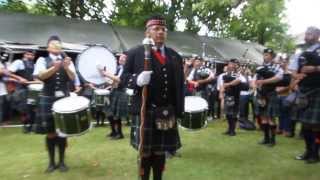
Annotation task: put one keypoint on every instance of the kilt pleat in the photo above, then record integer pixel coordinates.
(154, 140)
(119, 101)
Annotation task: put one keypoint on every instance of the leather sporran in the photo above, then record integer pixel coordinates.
(165, 118)
(230, 101)
(262, 102)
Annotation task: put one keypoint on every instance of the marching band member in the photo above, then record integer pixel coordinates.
(305, 67)
(56, 71)
(283, 90)
(267, 100)
(230, 89)
(165, 100)
(24, 68)
(118, 101)
(199, 77)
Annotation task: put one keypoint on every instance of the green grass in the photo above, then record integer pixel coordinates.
(206, 155)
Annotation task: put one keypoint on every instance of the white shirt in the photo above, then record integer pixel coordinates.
(41, 64)
(16, 66)
(294, 62)
(220, 81)
(3, 89)
(191, 75)
(76, 80)
(246, 81)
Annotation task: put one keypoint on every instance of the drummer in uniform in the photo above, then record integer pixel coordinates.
(165, 99)
(56, 71)
(230, 92)
(118, 107)
(24, 68)
(267, 99)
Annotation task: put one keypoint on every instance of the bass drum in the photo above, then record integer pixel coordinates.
(93, 58)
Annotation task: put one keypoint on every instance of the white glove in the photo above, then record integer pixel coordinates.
(144, 78)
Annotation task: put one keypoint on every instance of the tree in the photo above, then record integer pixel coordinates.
(260, 21)
(80, 9)
(134, 13)
(215, 14)
(13, 5)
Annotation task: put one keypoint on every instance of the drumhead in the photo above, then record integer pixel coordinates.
(73, 94)
(35, 87)
(70, 104)
(93, 57)
(102, 92)
(195, 104)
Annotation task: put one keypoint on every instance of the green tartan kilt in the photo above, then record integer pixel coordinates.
(311, 115)
(44, 117)
(19, 100)
(272, 107)
(154, 140)
(118, 107)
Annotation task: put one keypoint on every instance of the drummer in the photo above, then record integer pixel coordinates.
(23, 68)
(96, 110)
(56, 71)
(119, 101)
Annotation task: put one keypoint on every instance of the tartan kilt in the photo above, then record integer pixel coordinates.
(272, 108)
(311, 115)
(232, 111)
(19, 100)
(119, 101)
(154, 140)
(44, 117)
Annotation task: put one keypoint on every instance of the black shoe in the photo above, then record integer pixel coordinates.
(272, 142)
(112, 134)
(118, 136)
(264, 142)
(312, 160)
(51, 168)
(302, 157)
(226, 133)
(232, 133)
(63, 168)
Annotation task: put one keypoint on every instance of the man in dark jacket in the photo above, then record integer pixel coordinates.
(165, 100)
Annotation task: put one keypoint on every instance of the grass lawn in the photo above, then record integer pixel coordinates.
(206, 155)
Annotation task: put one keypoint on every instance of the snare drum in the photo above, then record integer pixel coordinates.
(101, 97)
(33, 93)
(71, 116)
(195, 114)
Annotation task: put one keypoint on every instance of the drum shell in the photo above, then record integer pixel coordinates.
(33, 97)
(101, 100)
(194, 120)
(71, 124)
